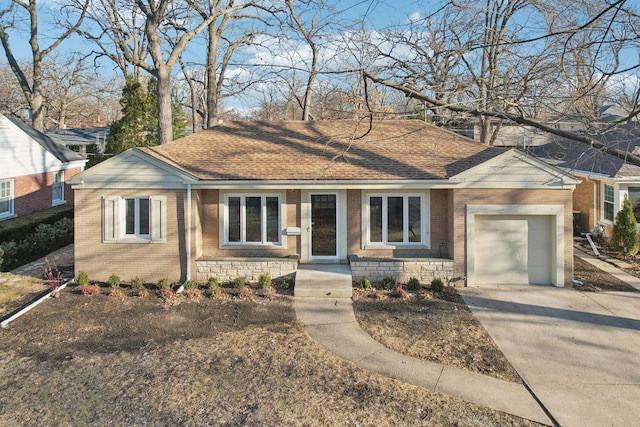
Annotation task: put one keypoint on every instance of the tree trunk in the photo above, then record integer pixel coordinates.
(165, 123)
(212, 77)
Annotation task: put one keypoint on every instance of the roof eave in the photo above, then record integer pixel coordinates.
(321, 184)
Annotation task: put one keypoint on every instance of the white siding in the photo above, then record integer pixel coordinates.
(20, 155)
(131, 169)
(515, 170)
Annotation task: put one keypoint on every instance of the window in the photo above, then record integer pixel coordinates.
(134, 219)
(58, 187)
(252, 219)
(6, 197)
(608, 202)
(395, 219)
(137, 217)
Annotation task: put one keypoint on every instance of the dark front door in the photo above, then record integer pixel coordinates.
(323, 225)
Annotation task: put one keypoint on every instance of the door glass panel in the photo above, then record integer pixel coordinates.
(254, 217)
(375, 219)
(395, 216)
(323, 225)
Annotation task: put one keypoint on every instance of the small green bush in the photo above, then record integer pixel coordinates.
(264, 281)
(239, 282)
(136, 283)
(82, 279)
(413, 284)
(213, 283)
(189, 284)
(288, 282)
(114, 281)
(437, 285)
(388, 283)
(624, 237)
(365, 282)
(164, 284)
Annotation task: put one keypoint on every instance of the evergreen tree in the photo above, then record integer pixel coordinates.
(625, 235)
(139, 122)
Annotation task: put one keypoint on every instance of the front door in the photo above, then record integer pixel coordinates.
(324, 229)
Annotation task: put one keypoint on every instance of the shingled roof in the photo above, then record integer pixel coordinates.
(333, 150)
(580, 157)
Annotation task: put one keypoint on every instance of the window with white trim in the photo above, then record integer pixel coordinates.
(608, 203)
(131, 219)
(395, 219)
(58, 187)
(252, 219)
(6, 197)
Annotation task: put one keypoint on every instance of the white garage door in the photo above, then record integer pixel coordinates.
(513, 249)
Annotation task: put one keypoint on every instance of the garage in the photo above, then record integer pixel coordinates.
(514, 249)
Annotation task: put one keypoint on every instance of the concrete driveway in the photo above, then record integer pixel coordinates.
(579, 352)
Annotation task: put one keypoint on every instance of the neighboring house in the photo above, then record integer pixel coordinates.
(33, 169)
(405, 199)
(605, 179)
(80, 139)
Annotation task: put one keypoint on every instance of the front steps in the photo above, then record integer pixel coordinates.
(323, 281)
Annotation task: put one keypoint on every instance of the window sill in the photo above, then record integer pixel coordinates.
(252, 246)
(133, 240)
(7, 216)
(58, 202)
(395, 246)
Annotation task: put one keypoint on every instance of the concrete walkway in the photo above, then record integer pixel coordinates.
(579, 352)
(330, 321)
(610, 266)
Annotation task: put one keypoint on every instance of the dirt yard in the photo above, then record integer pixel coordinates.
(103, 360)
(128, 360)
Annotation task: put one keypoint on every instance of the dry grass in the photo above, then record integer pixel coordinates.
(228, 362)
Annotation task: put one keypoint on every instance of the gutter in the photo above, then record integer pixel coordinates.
(28, 308)
(333, 184)
(187, 238)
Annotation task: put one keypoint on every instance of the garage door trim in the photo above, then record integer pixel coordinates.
(555, 211)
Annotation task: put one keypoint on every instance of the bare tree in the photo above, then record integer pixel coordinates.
(11, 20)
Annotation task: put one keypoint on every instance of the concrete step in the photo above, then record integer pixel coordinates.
(323, 281)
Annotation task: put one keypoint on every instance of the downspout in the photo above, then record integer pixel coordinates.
(188, 238)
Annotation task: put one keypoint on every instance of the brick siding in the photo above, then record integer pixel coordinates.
(35, 192)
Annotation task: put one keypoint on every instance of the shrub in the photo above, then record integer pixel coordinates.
(437, 285)
(167, 294)
(246, 293)
(388, 283)
(89, 290)
(1, 256)
(264, 281)
(402, 293)
(143, 293)
(218, 294)
(189, 284)
(413, 284)
(115, 292)
(82, 279)
(365, 282)
(114, 281)
(240, 282)
(624, 237)
(288, 282)
(213, 283)
(193, 293)
(136, 283)
(164, 284)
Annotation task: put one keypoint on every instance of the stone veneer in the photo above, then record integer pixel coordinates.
(227, 269)
(402, 269)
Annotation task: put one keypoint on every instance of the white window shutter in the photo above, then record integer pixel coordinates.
(158, 219)
(110, 219)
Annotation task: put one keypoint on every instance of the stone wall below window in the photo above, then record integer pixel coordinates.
(227, 269)
(402, 269)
